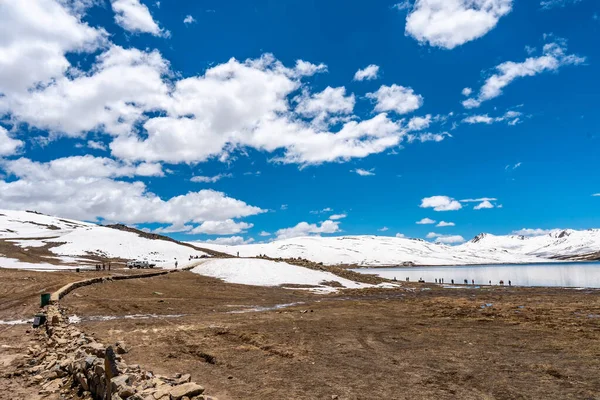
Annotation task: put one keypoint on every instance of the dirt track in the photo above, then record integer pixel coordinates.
(529, 344)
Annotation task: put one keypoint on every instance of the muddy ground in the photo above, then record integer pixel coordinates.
(426, 343)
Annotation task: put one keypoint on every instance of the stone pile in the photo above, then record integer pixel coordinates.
(72, 363)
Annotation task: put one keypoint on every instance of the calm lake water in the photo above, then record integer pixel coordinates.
(552, 274)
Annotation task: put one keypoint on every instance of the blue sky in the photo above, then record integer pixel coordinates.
(212, 129)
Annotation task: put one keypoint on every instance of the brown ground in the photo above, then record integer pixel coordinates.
(395, 344)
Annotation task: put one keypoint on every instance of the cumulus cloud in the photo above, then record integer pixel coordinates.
(189, 20)
(335, 217)
(400, 235)
(384, 229)
(264, 233)
(451, 23)
(133, 16)
(325, 107)
(306, 229)
(467, 91)
(229, 241)
(226, 227)
(532, 232)
(399, 99)
(553, 58)
(87, 188)
(419, 123)
(450, 239)
(93, 144)
(210, 179)
(369, 73)
(483, 205)
(8, 145)
(36, 35)
(444, 223)
(440, 203)
(364, 172)
(426, 221)
(153, 115)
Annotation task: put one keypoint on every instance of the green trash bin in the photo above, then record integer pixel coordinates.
(45, 299)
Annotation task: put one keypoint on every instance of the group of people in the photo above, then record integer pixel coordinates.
(466, 281)
(102, 267)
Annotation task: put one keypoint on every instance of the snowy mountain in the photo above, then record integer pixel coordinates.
(32, 240)
(380, 250)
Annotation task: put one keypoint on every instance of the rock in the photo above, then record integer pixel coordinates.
(126, 392)
(187, 389)
(83, 382)
(94, 348)
(121, 349)
(119, 382)
(184, 379)
(162, 391)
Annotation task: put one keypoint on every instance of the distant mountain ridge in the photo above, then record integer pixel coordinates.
(484, 248)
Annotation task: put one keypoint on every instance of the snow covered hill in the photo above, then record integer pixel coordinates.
(380, 250)
(31, 240)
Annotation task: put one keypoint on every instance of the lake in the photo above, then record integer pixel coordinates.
(572, 274)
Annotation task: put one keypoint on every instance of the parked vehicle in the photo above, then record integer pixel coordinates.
(139, 264)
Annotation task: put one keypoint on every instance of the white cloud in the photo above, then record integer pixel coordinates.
(210, 179)
(337, 216)
(153, 115)
(451, 23)
(444, 223)
(511, 116)
(553, 58)
(432, 235)
(133, 16)
(532, 232)
(483, 205)
(87, 188)
(8, 145)
(36, 35)
(305, 68)
(264, 233)
(426, 221)
(513, 167)
(399, 99)
(403, 5)
(596, 195)
(467, 91)
(189, 20)
(175, 228)
(325, 210)
(548, 4)
(419, 123)
(384, 229)
(364, 172)
(324, 106)
(283, 207)
(230, 241)
(306, 229)
(226, 227)
(400, 235)
(450, 239)
(92, 144)
(122, 85)
(478, 119)
(440, 203)
(369, 73)
(427, 137)
(478, 200)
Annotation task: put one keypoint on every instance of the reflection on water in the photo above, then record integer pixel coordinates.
(555, 274)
